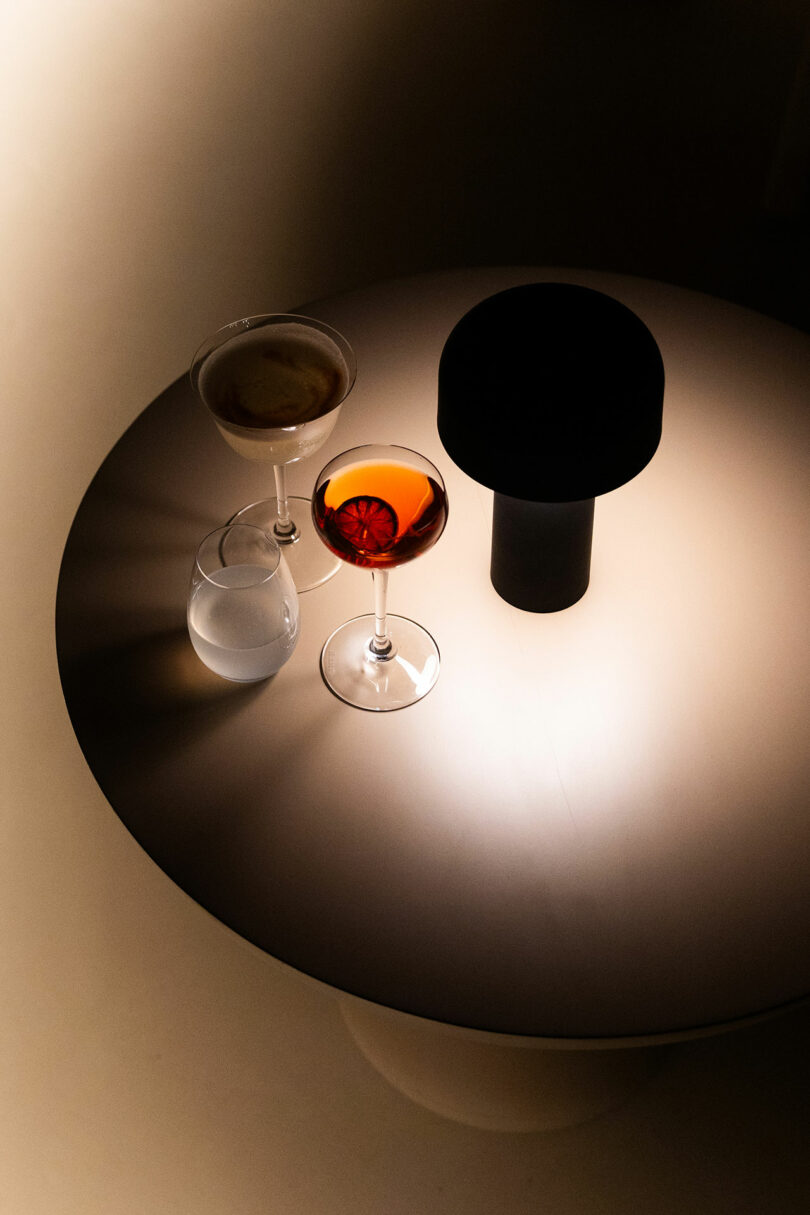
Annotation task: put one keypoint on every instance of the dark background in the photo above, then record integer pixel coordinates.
(669, 140)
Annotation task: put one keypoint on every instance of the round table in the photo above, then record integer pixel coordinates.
(594, 830)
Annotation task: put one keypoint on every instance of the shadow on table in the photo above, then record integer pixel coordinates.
(153, 691)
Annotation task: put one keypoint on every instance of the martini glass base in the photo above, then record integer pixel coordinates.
(309, 561)
(380, 683)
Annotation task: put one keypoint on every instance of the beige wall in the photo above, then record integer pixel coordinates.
(167, 165)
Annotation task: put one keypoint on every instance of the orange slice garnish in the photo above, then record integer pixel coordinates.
(368, 524)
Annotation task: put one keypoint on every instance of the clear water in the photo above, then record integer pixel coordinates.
(244, 629)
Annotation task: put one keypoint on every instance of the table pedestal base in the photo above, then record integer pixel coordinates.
(496, 1082)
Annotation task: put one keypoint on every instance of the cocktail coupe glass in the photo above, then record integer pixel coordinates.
(377, 507)
(274, 385)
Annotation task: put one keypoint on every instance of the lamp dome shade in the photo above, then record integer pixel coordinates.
(550, 392)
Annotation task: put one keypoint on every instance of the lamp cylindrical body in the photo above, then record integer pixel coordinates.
(541, 552)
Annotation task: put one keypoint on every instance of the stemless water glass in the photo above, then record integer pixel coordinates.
(274, 385)
(377, 507)
(243, 615)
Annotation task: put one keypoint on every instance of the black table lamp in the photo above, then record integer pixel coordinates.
(549, 394)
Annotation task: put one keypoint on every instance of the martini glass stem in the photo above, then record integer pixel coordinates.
(380, 645)
(284, 528)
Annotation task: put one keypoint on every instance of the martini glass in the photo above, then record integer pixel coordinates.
(377, 507)
(274, 385)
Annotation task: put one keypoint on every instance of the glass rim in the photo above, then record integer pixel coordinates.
(247, 324)
(225, 528)
(381, 447)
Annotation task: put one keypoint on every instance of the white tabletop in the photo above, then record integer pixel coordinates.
(598, 823)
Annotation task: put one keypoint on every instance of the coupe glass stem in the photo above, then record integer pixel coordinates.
(380, 645)
(284, 528)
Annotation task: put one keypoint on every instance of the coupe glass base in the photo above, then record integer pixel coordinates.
(309, 561)
(380, 683)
